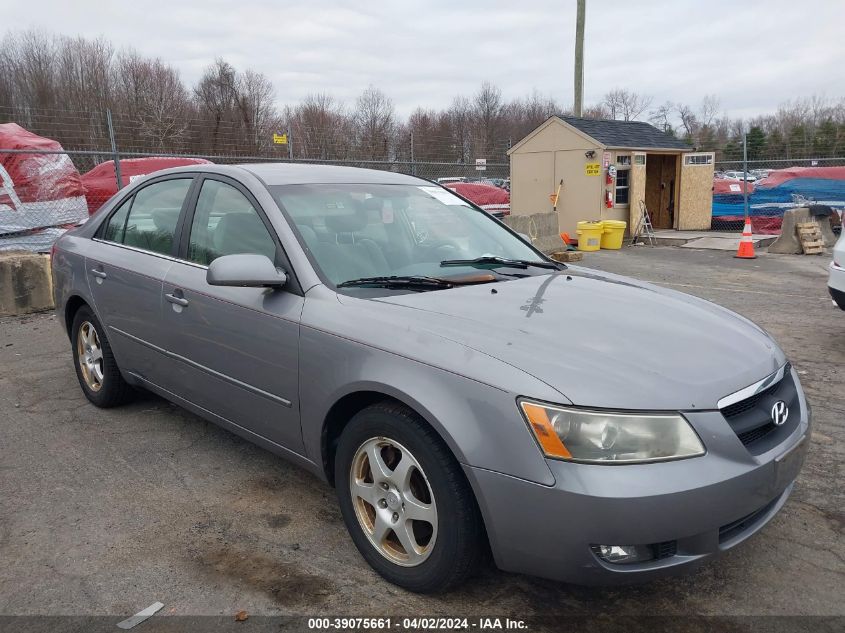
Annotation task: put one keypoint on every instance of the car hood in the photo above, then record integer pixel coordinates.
(602, 340)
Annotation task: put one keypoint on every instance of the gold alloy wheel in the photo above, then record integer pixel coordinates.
(393, 501)
(90, 356)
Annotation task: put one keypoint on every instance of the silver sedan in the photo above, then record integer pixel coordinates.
(465, 394)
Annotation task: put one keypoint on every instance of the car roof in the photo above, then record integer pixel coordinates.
(303, 173)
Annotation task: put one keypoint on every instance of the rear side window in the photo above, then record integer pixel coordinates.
(150, 217)
(226, 223)
(116, 226)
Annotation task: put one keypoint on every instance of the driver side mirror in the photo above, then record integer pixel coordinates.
(245, 271)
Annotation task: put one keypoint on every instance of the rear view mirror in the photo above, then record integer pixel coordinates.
(245, 271)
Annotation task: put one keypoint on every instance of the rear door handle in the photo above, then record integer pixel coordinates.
(179, 301)
(99, 273)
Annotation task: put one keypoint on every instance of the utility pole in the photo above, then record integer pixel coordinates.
(579, 58)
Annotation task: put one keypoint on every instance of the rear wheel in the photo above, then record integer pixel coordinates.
(96, 367)
(406, 502)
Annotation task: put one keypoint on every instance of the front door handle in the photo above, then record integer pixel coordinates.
(99, 273)
(179, 301)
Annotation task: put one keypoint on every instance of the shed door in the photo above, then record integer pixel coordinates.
(637, 190)
(695, 198)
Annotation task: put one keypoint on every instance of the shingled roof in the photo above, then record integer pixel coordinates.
(633, 134)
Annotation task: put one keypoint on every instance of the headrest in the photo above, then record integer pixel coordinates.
(165, 220)
(346, 223)
(373, 204)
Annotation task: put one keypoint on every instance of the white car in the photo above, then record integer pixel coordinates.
(836, 282)
(738, 175)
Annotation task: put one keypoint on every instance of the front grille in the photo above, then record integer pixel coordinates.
(751, 419)
(749, 437)
(735, 528)
(738, 408)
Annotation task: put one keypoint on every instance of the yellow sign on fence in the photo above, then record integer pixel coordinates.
(280, 139)
(592, 169)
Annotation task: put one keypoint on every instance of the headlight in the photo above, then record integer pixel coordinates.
(609, 437)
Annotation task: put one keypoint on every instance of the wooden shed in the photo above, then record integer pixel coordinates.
(607, 168)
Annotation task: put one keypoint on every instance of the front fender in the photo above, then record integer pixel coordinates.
(479, 422)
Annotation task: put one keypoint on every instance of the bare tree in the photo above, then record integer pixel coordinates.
(423, 128)
(375, 123)
(216, 96)
(60, 87)
(662, 115)
(34, 55)
(689, 122)
(709, 110)
(625, 104)
(151, 104)
(255, 97)
(487, 114)
(597, 111)
(321, 129)
(460, 126)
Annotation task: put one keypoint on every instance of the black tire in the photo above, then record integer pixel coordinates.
(460, 545)
(114, 390)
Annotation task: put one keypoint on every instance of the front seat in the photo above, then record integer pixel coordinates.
(351, 255)
(243, 233)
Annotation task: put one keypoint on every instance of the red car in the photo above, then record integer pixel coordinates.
(101, 182)
(494, 200)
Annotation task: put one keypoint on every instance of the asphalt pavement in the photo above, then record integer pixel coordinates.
(107, 511)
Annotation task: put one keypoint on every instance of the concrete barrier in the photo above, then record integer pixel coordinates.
(542, 228)
(788, 242)
(25, 283)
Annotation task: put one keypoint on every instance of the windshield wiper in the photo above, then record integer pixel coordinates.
(501, 261)
(398, 281)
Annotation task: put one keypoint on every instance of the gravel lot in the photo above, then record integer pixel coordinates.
(105, 512)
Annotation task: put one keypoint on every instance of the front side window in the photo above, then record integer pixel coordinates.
(354, 231)
(226, 223)
(148, 219)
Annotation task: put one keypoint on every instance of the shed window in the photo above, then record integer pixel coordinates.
(622, 186)
(623, 160)
(639, 159)
(698, 159)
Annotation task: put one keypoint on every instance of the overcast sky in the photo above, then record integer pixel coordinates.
(753, 54)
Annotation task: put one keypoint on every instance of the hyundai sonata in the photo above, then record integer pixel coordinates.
(461, 391)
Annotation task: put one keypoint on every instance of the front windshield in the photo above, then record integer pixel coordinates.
(356, 231)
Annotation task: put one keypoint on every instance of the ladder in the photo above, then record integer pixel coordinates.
(644, 228)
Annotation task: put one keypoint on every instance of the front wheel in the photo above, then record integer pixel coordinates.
(406, 502)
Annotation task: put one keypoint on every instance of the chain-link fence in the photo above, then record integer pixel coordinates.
(772, 186)
(58, 167)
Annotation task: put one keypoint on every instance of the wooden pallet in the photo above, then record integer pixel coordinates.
(567, 256)
(810, 235)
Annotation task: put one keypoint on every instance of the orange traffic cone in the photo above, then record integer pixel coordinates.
(746, 246)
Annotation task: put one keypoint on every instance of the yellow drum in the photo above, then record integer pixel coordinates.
(589, 236)
(612, 235)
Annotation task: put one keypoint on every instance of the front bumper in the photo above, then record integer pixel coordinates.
(836, 284)
(702, 506)
(838, 296)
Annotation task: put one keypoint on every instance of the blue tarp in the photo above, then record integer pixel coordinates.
(774, 200)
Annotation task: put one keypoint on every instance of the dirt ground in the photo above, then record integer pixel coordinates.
(105, 512)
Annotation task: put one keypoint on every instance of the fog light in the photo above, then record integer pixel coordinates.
(623, 554)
